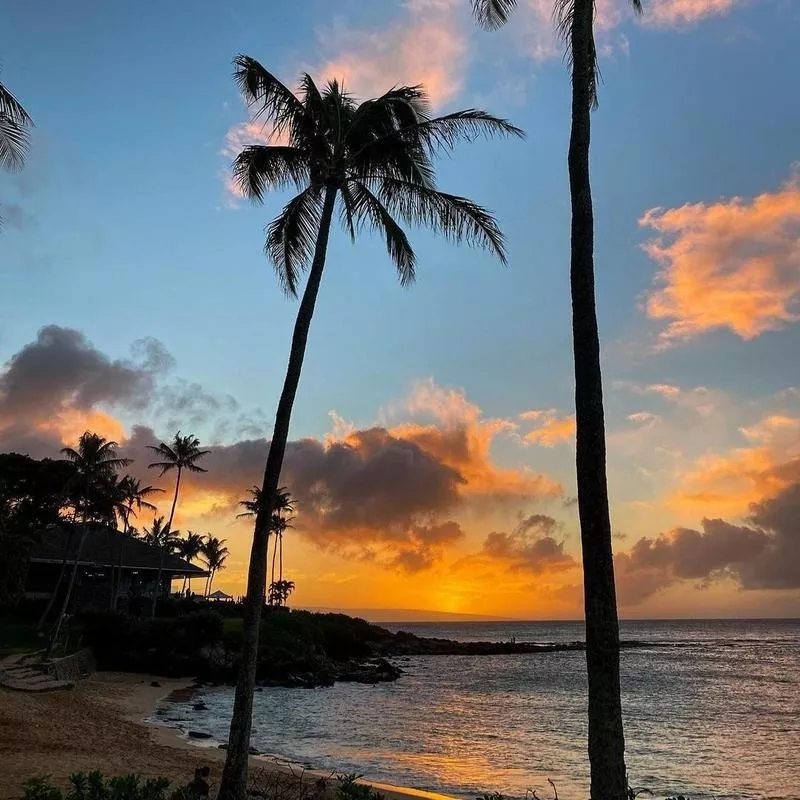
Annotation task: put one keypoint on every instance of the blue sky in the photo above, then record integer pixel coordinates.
(128, 230)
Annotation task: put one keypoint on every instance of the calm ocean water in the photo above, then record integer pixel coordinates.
(715, 713)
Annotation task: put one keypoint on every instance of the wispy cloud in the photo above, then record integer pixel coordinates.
(549, 428)
(731, 265)
(427, 45)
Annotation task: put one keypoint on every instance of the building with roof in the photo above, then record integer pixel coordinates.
(109, 563)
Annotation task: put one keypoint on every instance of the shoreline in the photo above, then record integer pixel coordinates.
(106, 722)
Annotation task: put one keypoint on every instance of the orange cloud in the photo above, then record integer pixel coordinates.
(429, 46)
(729, 483)
(550, 429)
(668, 13)
(730, 265)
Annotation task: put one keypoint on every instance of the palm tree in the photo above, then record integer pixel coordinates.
(15, 125)
(133, 494)
(190, 548)
(96, 462)
(376, 160)
(283, 503)
(279, 592)
(182, 454)
(214, 554)
(575, 20)
(160, 535)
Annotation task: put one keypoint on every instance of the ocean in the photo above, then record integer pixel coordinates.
(711, 708)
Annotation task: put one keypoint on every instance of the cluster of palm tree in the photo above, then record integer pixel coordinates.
(375, 161)
(278, 522)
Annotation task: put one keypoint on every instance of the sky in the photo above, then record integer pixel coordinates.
(432, 442)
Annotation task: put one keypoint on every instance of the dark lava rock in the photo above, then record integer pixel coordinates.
(200, 707)
(155, 684)
(253, 752)
(198, 735)
(222, 746)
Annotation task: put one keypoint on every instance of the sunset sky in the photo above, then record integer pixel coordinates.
(432, 448)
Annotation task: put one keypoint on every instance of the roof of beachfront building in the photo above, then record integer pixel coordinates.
(103, 547)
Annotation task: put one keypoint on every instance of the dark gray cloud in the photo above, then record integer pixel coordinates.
(762, 554)
(61, 367)
(532, 546)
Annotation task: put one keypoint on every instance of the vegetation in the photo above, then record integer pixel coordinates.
(93, 786)
(15, 125)
(181, 454)
(214, 553)
(374, 159)
(575, 19)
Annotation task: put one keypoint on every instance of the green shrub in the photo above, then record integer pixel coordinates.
(93, 786)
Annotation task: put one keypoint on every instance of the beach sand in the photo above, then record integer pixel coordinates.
(99, 724)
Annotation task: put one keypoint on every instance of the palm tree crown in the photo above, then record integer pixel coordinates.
(182, 453)
(95, 456)
(134, 496)
(378, 157)
(284, 502)
(159, 535)
(15, 125)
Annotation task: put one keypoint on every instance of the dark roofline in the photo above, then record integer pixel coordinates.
(193, 570)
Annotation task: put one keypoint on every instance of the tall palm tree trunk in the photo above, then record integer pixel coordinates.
(280, 558)
(157, 588)
(117, 579)
(233, 785)
(606, 739)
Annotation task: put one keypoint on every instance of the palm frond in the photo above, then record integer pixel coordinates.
(292, 236)
(14, 143)
(443, 133)
(367, 209)
(457, 218)
(259, 168)
(15, 125)
(271, 98)
(492, 14)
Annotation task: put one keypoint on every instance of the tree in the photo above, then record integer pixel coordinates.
(95, 461)
(214, 554)
(284, 504)
(575, 20)
(132, 495)
(279, 592)
(190, 548)
(375, 159)
(181, 454)
(161, 536)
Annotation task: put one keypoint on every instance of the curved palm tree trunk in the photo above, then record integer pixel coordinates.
(157, 588)
(266, 561)
(606, 739)
(233, 785)
(280, 559)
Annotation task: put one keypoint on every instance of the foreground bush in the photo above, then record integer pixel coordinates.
(93, 786)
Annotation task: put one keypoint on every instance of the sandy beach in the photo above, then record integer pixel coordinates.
(100, 724)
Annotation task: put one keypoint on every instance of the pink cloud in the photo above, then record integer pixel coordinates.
(668, 13)
(731, 265)
(428, 46)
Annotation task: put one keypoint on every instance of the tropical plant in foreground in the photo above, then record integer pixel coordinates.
(574, 19)
(15, 125)
(182, 453)
(374, 160)
(214, 553)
